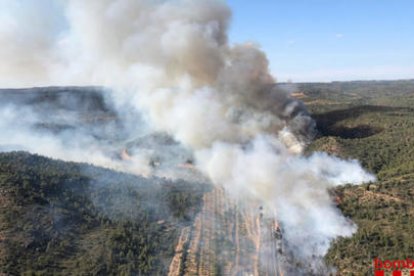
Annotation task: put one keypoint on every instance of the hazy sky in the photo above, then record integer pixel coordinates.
(324, 40)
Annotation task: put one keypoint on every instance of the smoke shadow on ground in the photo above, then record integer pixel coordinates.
(326, 122)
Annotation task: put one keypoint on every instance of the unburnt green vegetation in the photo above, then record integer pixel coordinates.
(374, 123)
(75, 219)
(63, 218)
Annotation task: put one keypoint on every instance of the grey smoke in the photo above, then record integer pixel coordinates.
(171, 62)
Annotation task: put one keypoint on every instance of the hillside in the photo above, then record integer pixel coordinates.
(73, 218)
(69, 218)
(374, 123)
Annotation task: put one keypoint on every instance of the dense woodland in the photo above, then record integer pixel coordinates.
(75, 219)
(374, 123)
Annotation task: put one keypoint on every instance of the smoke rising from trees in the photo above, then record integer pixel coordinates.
(171, 62)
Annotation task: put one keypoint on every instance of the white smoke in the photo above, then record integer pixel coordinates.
(171, 60)
(293, 186)
(18, 132)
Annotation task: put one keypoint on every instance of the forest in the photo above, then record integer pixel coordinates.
(372, 121)
(76, 219)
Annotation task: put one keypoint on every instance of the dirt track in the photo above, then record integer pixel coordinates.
(227, 239)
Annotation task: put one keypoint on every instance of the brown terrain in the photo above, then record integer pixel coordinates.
(227, 239)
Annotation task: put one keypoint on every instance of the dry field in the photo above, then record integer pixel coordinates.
(227, 239)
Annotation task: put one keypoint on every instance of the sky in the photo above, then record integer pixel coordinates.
(329, 40)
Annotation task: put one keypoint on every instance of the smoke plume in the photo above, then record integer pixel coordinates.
(171, 62)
